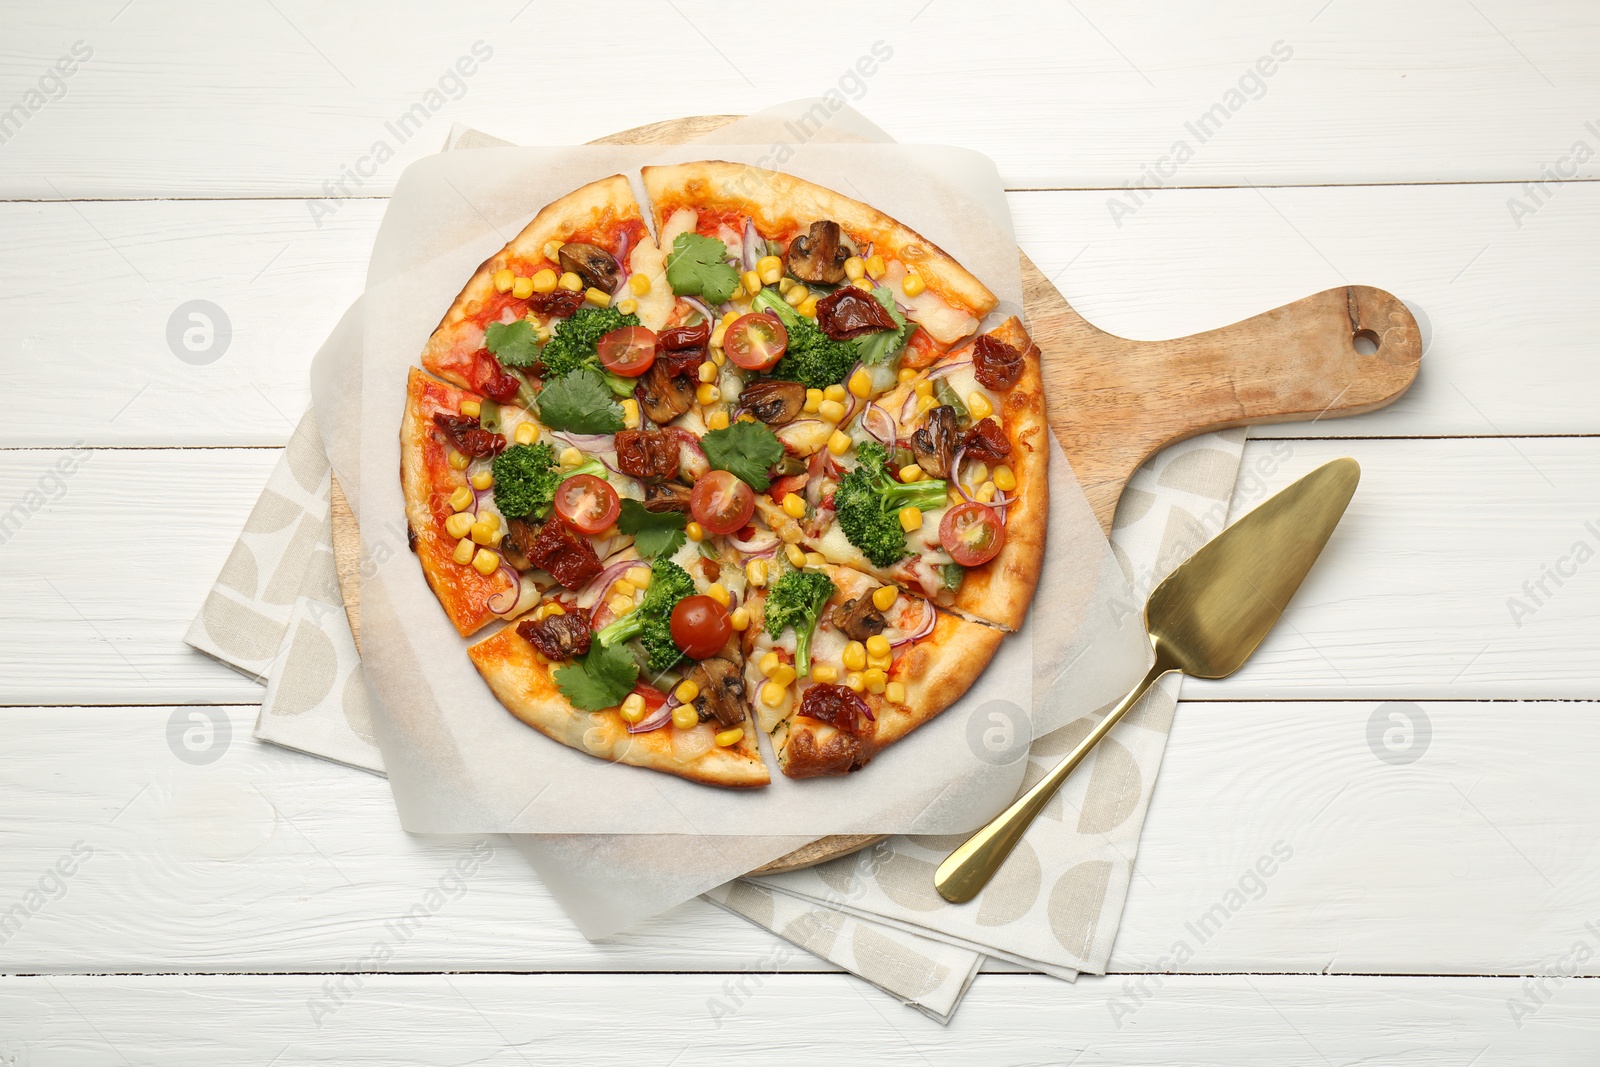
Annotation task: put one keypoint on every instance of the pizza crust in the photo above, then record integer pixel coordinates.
(523, 682)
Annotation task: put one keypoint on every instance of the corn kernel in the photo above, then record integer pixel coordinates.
(910, 519)
(716, 591)
(785, 284)
(729, 318)
(719, 358)
(791, 533)
(955, 497)
(639, 284)
(923, 388)
(571, 457)
(904, 375)
(620, 605)
(545, 281)
(695, 531)
(808, 307)
(745, 416)
(816, 559)
(740, 619)
(707, 371)
(912, 285)
(831, 410)
(482, 479)
(854, 656)
(707, 394)
(862, 284)
(854, 682)
(854, 268)
(861, 383)
(598, 297)
(783, 676)
(813, 400)
(839, 442)
(881, 663)
(630, 413)
(978, 405)
(984, 493)
(458, 461)
(976, 473)
(824, 672)
(926, 404)
(632, 709)
(877, 645)
(527, 433)
(685, 718)
(796, 555)
(569, 280)
(486, 561)
(884, 596)
(488, 518)
(1004, 479)
(522, 288)
(770, 268)
(794, 506)
(459, 525)
(464, 551)
(628, 305)
(731, 736)
(875, 680)
(503, 279)
(554, 608)
(834, 392)
(752, 282)
(769, 663)
(876, 266)
(687, 690)
(462, 498)
(755, 573)
(552, 251)
(717, 420)
(471, 408)
(719, 335)
(638, 576)
(911, 472)
(895, 692)
(623, 587)
(796, 295)
(482, 533)
(773, 694)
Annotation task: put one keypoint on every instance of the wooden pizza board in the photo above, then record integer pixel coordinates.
(1113, 402)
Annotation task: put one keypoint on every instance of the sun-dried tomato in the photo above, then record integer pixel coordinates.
(849, 312)
(558, 637)
(837, 706)
(557, 303)
(996, 364)
(647, 454)
(565, 556)
(986, 442)
(468, 436)
(683, 348)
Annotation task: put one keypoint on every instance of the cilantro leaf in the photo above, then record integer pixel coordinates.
(654, 533)
(745, 449)
(880, 345)
(580, 403)
(514, 344)
(600, 680)
(696, 268)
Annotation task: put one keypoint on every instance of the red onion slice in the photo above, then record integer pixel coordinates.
(622, 262)
(701, 306)
(751, 241)
(930, 619)
(955, 474)
(755, 544)
(948, 368)
(585, 442)
(909, 409)
(602, 581)
(656, 719)
(497, 602)
(876, 422)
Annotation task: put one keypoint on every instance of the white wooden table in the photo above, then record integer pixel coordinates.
(1442, 902)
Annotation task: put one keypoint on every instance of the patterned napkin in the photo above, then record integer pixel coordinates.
(276, 614)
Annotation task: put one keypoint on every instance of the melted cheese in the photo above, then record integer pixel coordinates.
(655, 307)
(943, 322)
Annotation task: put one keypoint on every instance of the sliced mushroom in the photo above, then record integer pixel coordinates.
(859, 619)
(517, 541)
(721, 691)
(773, 402)
(818, 255)
(663, 396)
(597, 267)
(666, 496)
(934, 445)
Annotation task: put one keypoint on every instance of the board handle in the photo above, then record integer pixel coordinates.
(1340, 352)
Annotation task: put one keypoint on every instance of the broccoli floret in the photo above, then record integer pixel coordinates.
(573, 344)
(651, 621)
(795, 603)
(812, 358)
(868, 503)
(525, 479)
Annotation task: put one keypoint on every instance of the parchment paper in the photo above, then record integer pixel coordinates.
(463, 765)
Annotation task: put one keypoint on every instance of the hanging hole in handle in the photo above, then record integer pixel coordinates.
(1366, 342)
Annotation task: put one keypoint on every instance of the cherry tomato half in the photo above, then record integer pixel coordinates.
(721, 503)
(972, 533)
(628, 351)
(756, 341)
(587, 504)
(700, 626)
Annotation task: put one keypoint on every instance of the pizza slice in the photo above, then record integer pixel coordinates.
(842, 664)
(602, 670)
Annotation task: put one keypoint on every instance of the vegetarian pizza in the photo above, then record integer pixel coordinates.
(755, 465)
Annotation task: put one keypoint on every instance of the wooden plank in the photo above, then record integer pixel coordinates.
(1459, 862)
(1190, 261)
(1229, 1021)
(1413, 598)
(289, 99)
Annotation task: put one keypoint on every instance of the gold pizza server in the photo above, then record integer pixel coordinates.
(1205, 620)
